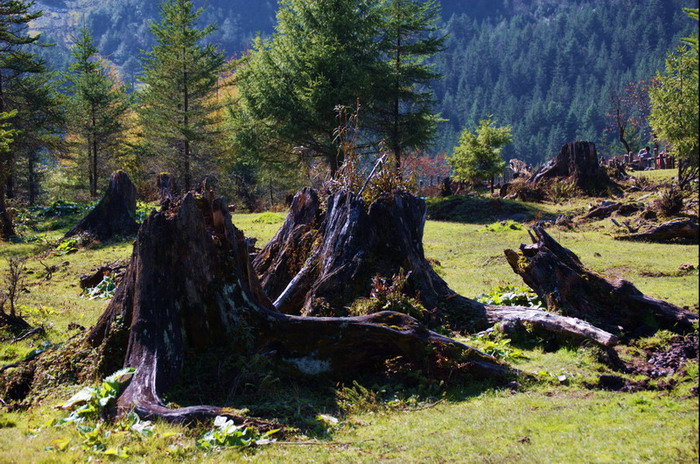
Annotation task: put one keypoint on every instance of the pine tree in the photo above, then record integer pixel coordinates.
(97, 104)
(324, 54)
(478, 155)
(180, 76)
(403, 112)
(15, 61)
(40, 122)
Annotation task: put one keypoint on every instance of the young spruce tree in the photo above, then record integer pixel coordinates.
(180, 76)
(97, 105)
(403, 111)
(323, 54)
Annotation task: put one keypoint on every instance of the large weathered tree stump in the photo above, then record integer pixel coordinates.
(321, 261)
(190, 287)
(577, 162)
(561, 280)
(115, 214)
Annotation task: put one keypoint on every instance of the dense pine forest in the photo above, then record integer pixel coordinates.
(558, 62)
(400, 231)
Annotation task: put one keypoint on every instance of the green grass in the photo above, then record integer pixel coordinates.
(546, 422)
(658, 175)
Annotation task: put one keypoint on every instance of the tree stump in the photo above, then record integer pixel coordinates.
(114, 215)
(190, 287)
(327, 260)
(561, 280)
(167, 189)
(330, 258)
(577, 162)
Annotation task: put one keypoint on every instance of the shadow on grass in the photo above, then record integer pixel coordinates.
(263, 387)
(481, 210)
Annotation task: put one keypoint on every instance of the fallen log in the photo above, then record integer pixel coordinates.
(607, 208)
(114, 215)
(516, 320)
(675, 230)
(557, 275)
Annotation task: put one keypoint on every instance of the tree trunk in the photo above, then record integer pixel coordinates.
(190, 287)
(114, 214)
(167, 189)
(6, 228)
(324, 262)
(577, 162)
(561, 280)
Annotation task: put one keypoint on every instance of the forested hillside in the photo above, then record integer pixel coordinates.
(548, 70)
(545, 67)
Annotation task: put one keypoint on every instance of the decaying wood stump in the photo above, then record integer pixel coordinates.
(577, 162)
(115, 214)
(167, 189)
(335, 254)
(327, 260)
(6, 227)
(675, 230)
(561, 280)
(190, 287)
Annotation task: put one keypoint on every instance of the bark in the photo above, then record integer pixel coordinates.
(675, 230)
(514, 320)
(114, 214)
(561, 280)
(167, 189)
(328, 260)
(577, 162)
(190, 287)
(607, 208)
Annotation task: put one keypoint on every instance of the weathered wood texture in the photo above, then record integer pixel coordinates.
(190, 286)
(115, 214)
(318, 260)
(675, 230)
(577, 162)
(561, 280)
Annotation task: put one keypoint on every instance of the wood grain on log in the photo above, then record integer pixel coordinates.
(561, 280)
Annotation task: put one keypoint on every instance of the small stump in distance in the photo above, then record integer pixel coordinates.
(114, 215)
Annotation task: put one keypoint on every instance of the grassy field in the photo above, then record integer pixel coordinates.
(545, 421)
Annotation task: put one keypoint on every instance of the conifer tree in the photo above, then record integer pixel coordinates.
(324, 54)
(15, 61)
(40, 122)
(180, 77)
(97, 104)
(478, 155)
(403, 112)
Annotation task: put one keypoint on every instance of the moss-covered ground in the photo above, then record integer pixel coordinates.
(558, 418)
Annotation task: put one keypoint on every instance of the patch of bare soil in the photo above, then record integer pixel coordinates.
(655, 364)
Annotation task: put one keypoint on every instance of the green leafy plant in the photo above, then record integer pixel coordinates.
(495, 344)
(561, 190)
(104, 290)
(93, 402)
(510, 295)
(67, 246)
(389, 295)
(227, 434)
